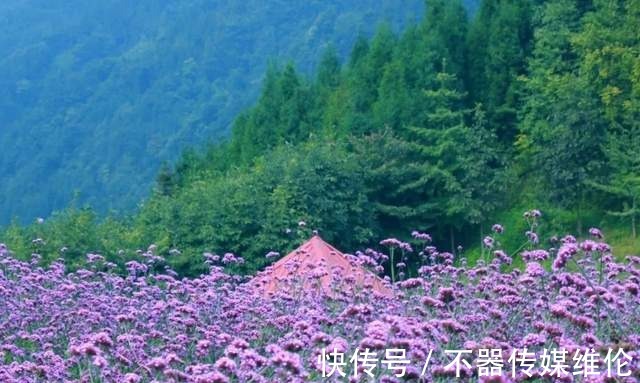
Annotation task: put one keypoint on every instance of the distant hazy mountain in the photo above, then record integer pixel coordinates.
(95, 95)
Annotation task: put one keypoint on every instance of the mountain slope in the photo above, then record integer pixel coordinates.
(94, 96)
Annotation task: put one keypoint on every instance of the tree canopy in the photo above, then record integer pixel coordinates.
(442, 127)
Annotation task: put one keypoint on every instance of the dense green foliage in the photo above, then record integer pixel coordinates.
(94, 96)
(261, 209)
(446, 127)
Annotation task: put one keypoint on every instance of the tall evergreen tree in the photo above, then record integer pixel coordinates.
(284, 112)
(293, 123)
(499, 43)
(328, 72)
(165, 180)
(365, 76)
(623, 183)
(561, 128)
(328, 79)
(359, 51)
(251, 133)
(442, 174)
(445, 27)
(608, 46)
(459, 175)
(392, 109)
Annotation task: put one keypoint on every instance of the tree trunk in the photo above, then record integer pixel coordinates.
(579, 225)
(579, 216)
(453, 242)
(633, 219)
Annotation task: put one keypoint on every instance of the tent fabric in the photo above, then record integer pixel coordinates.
(316, 264)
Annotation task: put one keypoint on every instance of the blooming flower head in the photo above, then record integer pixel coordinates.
(215, 328)
(588, 246)
(339, 344)
(497, 228)
(272, 254)
(225, 364)
(495, 379)
(421, 236)
(565, 252)
(406, 247)
(535, 213)
(535, 255)
(603, 248)
(502, 256)
(132, 378)
(229, 258)
(596, 233)
(391, 242)
(93, 258)
(534, 269)
(100, 362)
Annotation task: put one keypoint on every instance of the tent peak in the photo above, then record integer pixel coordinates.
(313, 253)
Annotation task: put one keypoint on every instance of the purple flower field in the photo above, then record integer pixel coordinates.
(95, 326)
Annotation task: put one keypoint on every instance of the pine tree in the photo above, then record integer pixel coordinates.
(365, 77)
(445, 28)
(291, 125)
(165, 180)
(284, 113)
(441, 147)
(499, 43)
(401, 100)
(329, 69)
(561, 129)
(394, 103)
(608, 47)
(328, 80)
(359, 51)
(252, 133)
(623, 183)
(443, 174)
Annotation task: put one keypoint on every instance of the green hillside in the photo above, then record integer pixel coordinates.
(452, 125)
(95, 96)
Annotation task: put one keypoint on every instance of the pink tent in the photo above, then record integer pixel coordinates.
(314, 265)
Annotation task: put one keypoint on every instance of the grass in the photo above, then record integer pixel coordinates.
(558, 222)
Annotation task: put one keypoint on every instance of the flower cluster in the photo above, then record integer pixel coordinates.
(149, 326)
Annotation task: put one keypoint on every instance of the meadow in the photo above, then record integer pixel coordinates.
(96, 325)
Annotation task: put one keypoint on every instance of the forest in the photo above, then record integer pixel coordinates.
(95, 96)
(461, 120)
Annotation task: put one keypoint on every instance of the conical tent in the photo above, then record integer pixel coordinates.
(318, 265)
